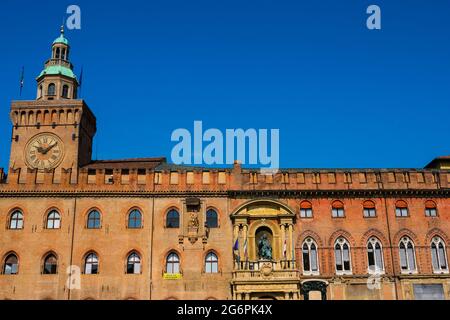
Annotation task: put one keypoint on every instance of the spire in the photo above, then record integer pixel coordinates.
(57, 80)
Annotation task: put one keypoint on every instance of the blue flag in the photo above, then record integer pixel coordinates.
(236, 245)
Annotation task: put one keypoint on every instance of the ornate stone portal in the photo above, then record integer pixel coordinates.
(264, 264)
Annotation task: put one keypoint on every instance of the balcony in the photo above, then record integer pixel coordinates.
(283, 270)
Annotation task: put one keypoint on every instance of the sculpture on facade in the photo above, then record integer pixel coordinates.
(264, 248)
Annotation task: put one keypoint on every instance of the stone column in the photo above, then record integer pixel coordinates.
(245, 230)
(289, 244)
(283, 238)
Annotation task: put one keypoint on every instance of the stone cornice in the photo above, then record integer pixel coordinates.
(356, 193)
(235, 194)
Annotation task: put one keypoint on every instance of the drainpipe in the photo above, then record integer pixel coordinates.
(71, 246)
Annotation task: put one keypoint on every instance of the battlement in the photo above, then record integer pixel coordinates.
(156, 175)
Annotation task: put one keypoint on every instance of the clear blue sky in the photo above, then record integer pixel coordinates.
(341, 95)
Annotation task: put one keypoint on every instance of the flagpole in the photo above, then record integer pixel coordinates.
(21, 81)
(81, 80)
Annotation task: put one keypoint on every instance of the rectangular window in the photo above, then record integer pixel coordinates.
(158, 177)
(431, 212)
(337, 213)
(189, 177)
(331, 177)
(306, 213)
(369, 212)
(347, 177)
(174, 178)
(428, 292)
(91, 176)
(222, 179)
(205, 177)
(109, 178)
(316, 178)
(141, 176)
(285, 177)
(125, 176)
(401, 212)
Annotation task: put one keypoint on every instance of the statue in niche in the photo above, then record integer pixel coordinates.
(193, 221)
(264, 248)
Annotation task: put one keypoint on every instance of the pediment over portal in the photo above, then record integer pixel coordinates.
(263, 208)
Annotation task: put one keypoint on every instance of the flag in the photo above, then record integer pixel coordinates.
(245, 248)
(21, 80)
(236, 245)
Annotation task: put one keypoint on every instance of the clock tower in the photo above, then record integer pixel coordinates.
(55, 131)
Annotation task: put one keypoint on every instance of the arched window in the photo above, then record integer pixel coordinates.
(430, 209)
(57, 53)
(438, 256)
(337, 209)
(212, 219)
(401, 208)
(63, 54)
(51, 89)
(94, 220)
(91, 264)
(172, 263)
(50, 264)
(133, 263)
(173, 219)
(375, 256)
(309, 254)
(134, 219)
(11, 264)
(407, 255)
(211, 263)
(40, 91)
(65, 91)
(16, 220)
(306, 209)
(53, 220)
(342, 256)
(369, 209)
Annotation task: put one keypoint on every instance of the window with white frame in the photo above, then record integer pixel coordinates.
(53, 220)
(309, 254)
(430, 209)
(407, 256)
(438, 256)
(342, 256)
(375, 256)
(91, 264)
(401, 209)
(369, 210)
(211, 263)
(337, 209)
(173, 263)
(306, 210)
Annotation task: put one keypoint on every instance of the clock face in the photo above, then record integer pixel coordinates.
(44, 151)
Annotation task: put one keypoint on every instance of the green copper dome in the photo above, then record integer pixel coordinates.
(61, 39)
(56, 70)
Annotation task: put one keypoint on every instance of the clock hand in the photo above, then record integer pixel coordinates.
(41, 150)
(50, 147)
